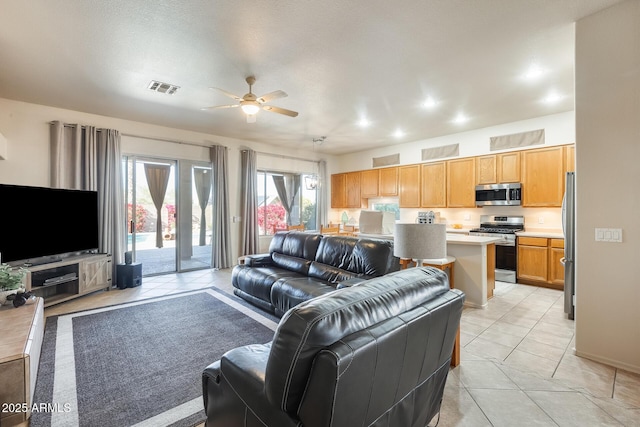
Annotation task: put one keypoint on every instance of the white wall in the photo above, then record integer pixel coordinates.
(607, 178)
(26, 129)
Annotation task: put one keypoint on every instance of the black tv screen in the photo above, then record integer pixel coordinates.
(42, 222)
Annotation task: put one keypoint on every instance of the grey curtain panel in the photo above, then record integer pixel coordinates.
(157, 181)
(86, 158)
(322, 192)
(221, 244)
(287, 187)
(249, 202)
(202, 180)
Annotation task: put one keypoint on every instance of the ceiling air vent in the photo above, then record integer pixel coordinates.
(167, 88)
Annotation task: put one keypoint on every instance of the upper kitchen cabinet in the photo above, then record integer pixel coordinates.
(388, 182)
(369, 183)
(345, 190)
(543, 177)
(508, 167)
(461, 174)
(409, 186)
(434, 185)
(570, 165)
(498, 168)
(486, 170)
(339, 190)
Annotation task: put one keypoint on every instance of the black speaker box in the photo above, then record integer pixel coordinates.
(129, 275)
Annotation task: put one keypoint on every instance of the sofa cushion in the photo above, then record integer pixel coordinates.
(322, 321)
(299, 265)
(335, 251)
(373, 258)
(257, 281)
(295, 243)
(291, 291)
(329, 273)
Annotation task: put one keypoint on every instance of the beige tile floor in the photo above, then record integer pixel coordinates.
(518, 364)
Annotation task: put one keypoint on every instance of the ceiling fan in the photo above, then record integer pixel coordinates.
(251, 104)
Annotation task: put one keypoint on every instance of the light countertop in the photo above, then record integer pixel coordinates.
(460, 239)
(452, 238)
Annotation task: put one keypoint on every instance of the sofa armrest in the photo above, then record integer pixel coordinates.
(258, 260)
(350, 282)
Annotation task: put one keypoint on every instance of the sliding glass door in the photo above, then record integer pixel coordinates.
(169, 214)
(151, 213)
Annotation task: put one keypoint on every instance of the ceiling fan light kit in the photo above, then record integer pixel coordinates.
(251, 104)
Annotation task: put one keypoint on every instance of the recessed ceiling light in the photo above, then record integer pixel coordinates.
(460, 119)
(363, 123)
(534, 72)
(552, 98)
(399, 133)
(429, 103)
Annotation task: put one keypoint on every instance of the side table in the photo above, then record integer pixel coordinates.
(22, 329)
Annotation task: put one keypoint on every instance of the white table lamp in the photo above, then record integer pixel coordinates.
(421, 242)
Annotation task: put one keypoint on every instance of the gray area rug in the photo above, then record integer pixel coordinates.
(140, 363)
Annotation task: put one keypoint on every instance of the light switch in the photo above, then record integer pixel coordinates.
(609, 235)
(599, 234)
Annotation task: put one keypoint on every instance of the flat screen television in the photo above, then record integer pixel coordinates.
(43, 224)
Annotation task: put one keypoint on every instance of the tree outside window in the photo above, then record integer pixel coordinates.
(272, 213)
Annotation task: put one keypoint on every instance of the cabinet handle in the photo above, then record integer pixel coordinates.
(563, 260)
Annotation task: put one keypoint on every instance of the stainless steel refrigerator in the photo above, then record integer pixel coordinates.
(569, 230)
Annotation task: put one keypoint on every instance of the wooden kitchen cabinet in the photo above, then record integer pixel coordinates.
(388, 182)
(461, 174)
(352, 185)
(570, 155)
(409, 186)
(539, 262)
(486, 170)
(543, 177)
(339, 190)
(556, 269)
(508, 167)
(369, 182)
(345, 190)
(434, 185)
(533, 256)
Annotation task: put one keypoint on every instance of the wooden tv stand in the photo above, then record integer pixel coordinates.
(70, 278)
(22, 332)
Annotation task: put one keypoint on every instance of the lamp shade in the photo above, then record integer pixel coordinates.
(420, 241)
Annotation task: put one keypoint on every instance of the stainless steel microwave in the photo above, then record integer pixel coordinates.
(509, 194)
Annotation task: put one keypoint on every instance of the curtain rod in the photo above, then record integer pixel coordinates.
(282, 156)
(166, 140)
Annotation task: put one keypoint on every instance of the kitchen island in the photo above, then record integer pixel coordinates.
(474, 268)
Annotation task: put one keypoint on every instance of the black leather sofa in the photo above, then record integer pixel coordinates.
(374, 354)
(300, 266)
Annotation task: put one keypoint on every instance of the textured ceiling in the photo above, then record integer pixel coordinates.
(337, 60)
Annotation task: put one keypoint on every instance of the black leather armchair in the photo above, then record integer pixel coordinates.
(373, 354)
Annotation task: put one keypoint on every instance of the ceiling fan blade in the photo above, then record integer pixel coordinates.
(229, 94)
(281, 111)
(271, 96)
(251, 118)
(220, 106)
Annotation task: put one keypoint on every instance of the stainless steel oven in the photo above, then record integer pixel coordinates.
(505, 227)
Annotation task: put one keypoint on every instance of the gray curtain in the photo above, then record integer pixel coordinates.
(249, 202)
(202, 180)
(86, 158)
(221, 245)
(322, 192)
(157, 180)
(287, 187)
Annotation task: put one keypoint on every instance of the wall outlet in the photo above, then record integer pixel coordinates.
(467, 217)
(236, 218)
(540, 220)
